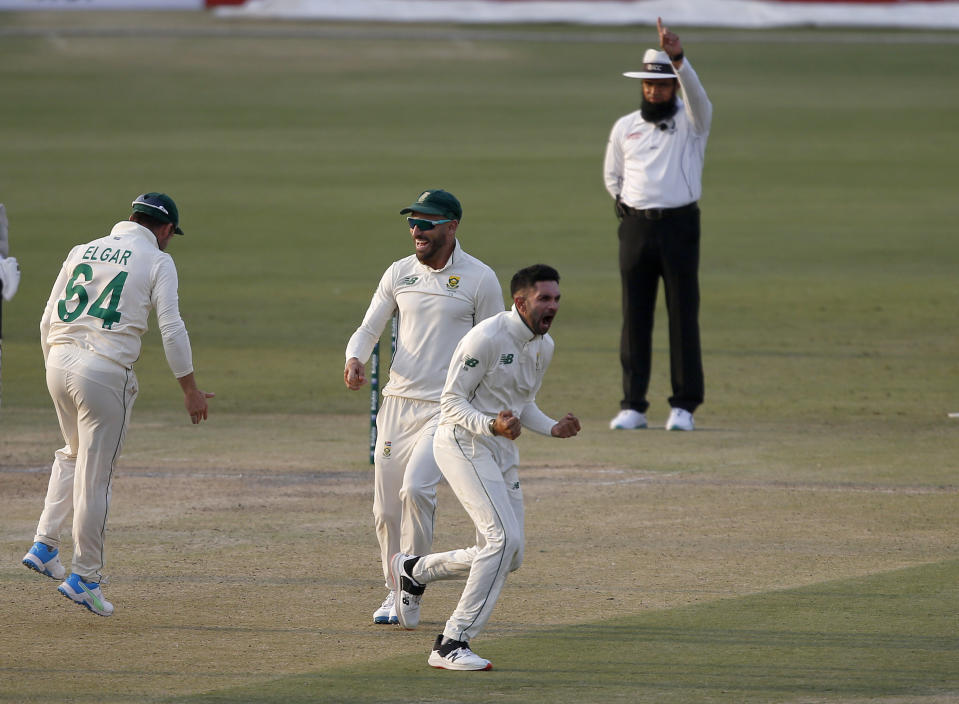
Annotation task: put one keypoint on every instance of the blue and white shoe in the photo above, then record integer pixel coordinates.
(45, 560)
(86, 594)
(387, 611)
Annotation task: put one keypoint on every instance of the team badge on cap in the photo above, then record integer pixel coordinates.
(436, 201)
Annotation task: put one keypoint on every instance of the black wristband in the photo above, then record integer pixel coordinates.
(678, 57)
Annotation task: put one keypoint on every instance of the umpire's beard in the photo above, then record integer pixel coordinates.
(657, 112)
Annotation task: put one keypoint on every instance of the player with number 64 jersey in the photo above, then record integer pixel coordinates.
(129, 275)
(90, 334)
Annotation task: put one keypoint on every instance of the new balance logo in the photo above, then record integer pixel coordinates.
(506, 359)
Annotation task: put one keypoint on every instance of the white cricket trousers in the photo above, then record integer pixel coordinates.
(93, 397)
(483, 472)
(406, 475)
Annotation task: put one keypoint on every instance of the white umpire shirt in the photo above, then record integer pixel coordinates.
(499, 365)
(123, 276)
(660, 165)
(436, 307)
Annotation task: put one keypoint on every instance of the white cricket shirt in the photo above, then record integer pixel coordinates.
(497, 366)
(104, 293)
(649, 167)
(436, 308)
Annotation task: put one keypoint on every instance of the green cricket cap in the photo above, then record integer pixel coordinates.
(159, 206)
(436, 201)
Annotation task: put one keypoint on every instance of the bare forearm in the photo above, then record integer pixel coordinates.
(194, 398)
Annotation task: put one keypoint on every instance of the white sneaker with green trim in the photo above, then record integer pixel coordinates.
(86, 594)
(628, 419)
(680, 419)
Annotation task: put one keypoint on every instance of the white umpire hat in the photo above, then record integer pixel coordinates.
(656, 64)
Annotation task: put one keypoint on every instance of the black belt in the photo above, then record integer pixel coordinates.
(657, 213)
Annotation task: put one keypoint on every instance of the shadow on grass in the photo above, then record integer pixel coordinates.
(888, 635)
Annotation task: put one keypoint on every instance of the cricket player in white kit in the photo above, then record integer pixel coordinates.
(438, 293)
(90, 334)
(490, 394)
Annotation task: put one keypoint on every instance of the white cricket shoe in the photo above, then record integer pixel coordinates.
(86, 594)
(387, 611)
(45, 560)
(450, 654)
(408, 592)
(679, 419)
(628, 419)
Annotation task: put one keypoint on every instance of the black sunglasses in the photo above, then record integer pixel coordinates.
(425, 225)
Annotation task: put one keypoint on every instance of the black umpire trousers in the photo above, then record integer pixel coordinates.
(654, 245)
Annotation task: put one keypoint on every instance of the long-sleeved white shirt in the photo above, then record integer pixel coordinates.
(497, 366)
(436, 308)
(649, 167)
(104, 294)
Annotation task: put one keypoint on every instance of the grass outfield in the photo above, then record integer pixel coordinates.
(800, 547)
(836, 641)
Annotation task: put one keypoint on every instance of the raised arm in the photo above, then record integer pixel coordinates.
(697, 105)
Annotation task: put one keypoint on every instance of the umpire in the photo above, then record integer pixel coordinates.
(653, 170)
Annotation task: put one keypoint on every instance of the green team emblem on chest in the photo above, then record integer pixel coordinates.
(506, 359)
(453, 283)
(409, 280)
